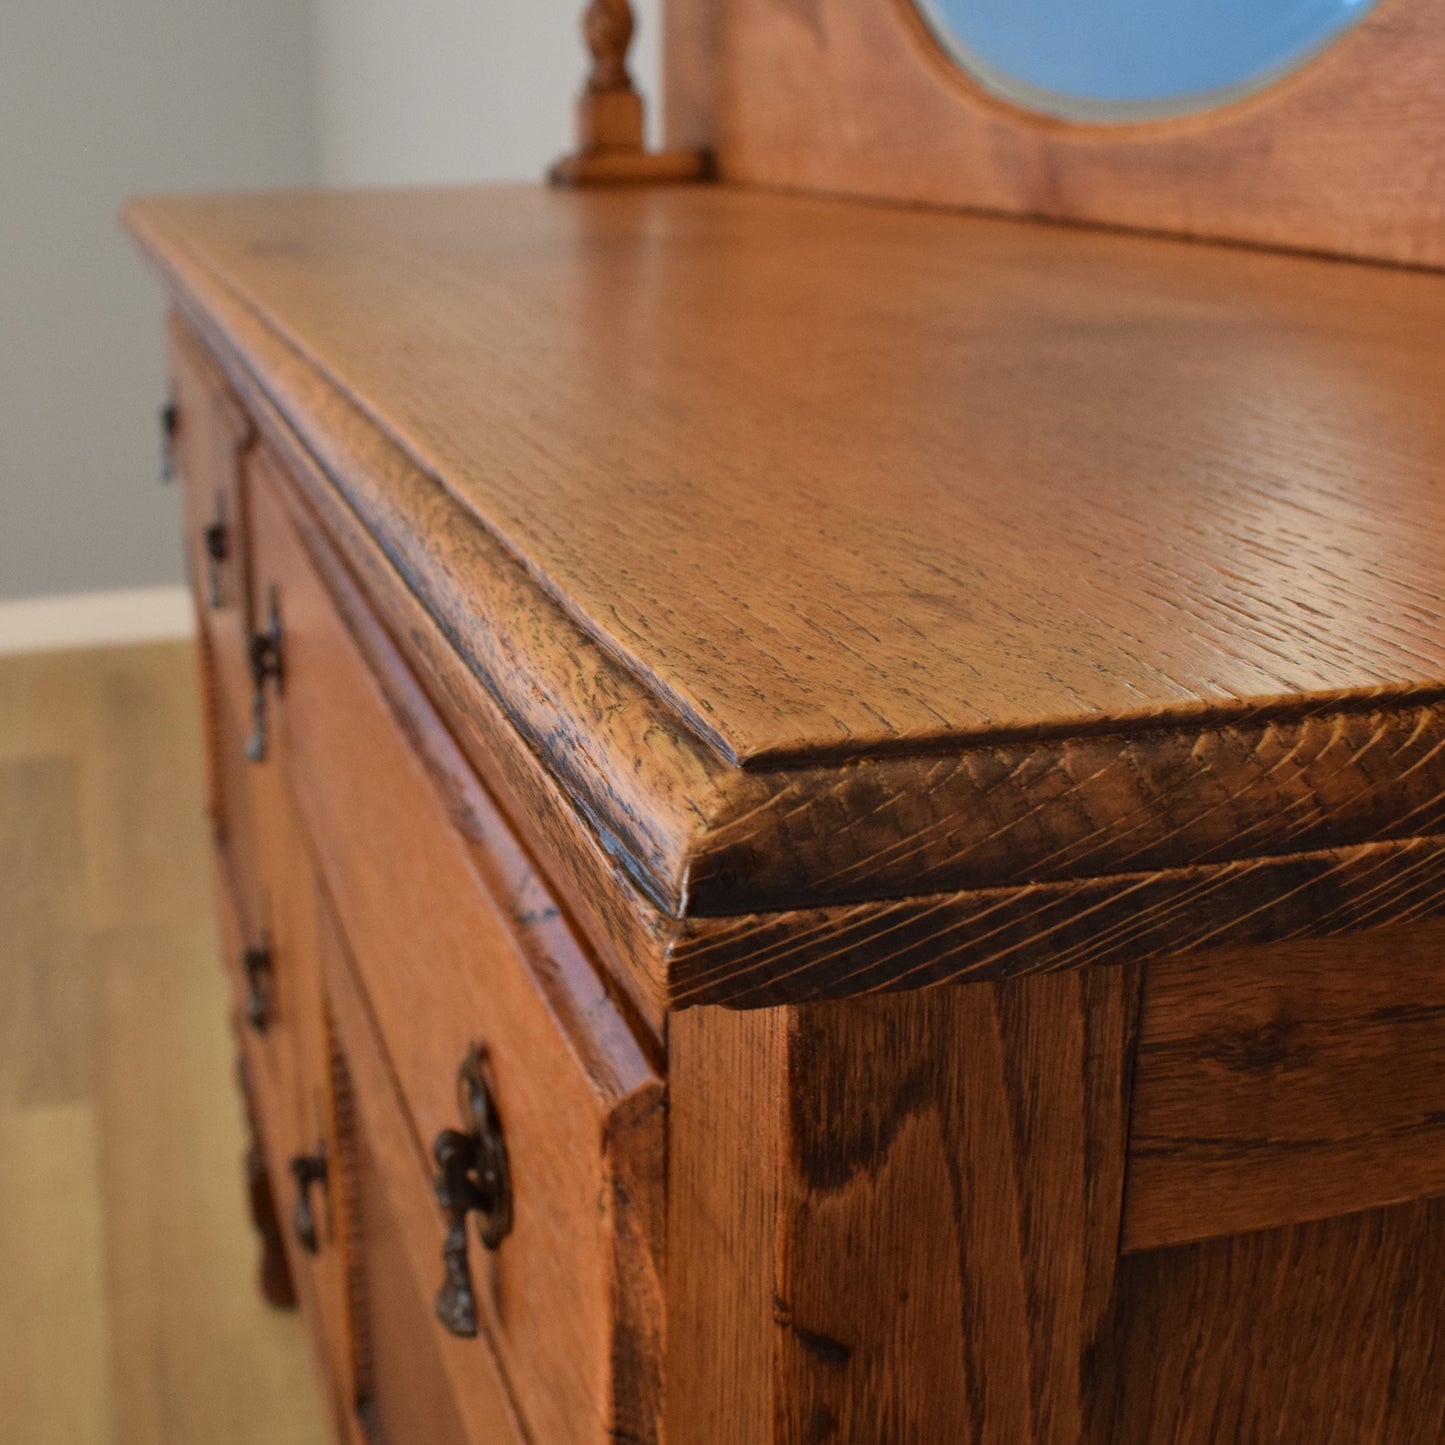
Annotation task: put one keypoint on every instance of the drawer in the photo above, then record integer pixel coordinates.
(229, 792)
(293, 1083)
(234, 790)
(459, 947)
(313, 1195)
(267, 947)
(258, 1013)
(415, 1382)
(267, 1102)
(212, 436)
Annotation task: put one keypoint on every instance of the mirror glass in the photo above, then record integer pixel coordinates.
(1131, 60)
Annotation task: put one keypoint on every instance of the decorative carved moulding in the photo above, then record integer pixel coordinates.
(611, 120)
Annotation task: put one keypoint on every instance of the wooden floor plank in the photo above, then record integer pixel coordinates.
(46, 991)
(142, 800)
(194, 1345)
(128, 1308)
(54, 1388)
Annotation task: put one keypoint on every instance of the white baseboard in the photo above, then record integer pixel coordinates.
(96, 619)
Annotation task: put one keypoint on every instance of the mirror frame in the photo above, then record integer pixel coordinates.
(1344, 155)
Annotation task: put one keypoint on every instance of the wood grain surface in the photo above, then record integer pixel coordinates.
(727, 1087)
(813, 602)
(859, 98)
(1326, 1333)
(880, 477)
(985, 935)
(1299, 1082)
(422, 1383)
(918, 556)
(926, 1193)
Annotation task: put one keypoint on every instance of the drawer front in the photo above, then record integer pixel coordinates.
(234, 780)
(312, 1192)
(213, 434)
(266, 950)
(415, 1383)
(416, 858)
(299, 1100)
(266, 1054)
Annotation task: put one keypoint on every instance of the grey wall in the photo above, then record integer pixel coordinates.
(100, 99)
(454, 90)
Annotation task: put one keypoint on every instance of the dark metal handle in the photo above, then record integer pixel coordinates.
(216, 540)
(170, 425)
(473, 1177)
(307, 1169)
(257, 965)
(456, 1303)
(264, 653)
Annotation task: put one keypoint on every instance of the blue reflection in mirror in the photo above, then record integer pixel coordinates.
(1122, 60)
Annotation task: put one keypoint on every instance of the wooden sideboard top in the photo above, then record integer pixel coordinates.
(891, 595)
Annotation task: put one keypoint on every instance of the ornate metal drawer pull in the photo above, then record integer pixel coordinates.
(216, 541)
(307, 1169)
(256, 962)
(473, 1177)
(170, 425)
(265, 659)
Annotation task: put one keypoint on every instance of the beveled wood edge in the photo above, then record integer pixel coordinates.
(604, 1040)
(686, 871)
(622, 926)
(1078, 808)
(986, 935)
(648, 783)
(599, 875)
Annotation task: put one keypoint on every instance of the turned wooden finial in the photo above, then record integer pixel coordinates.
(609, 27)
(610, 116)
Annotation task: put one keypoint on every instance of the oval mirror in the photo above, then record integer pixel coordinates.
(1131, 60)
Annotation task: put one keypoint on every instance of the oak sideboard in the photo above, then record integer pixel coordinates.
(829, 818)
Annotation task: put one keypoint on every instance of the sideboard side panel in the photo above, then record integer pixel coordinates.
(725, 1113)
(1328, 1333)
(931, 1191)
(1274, 1085)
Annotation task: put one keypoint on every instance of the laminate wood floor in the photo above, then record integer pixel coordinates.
(128, 1308)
